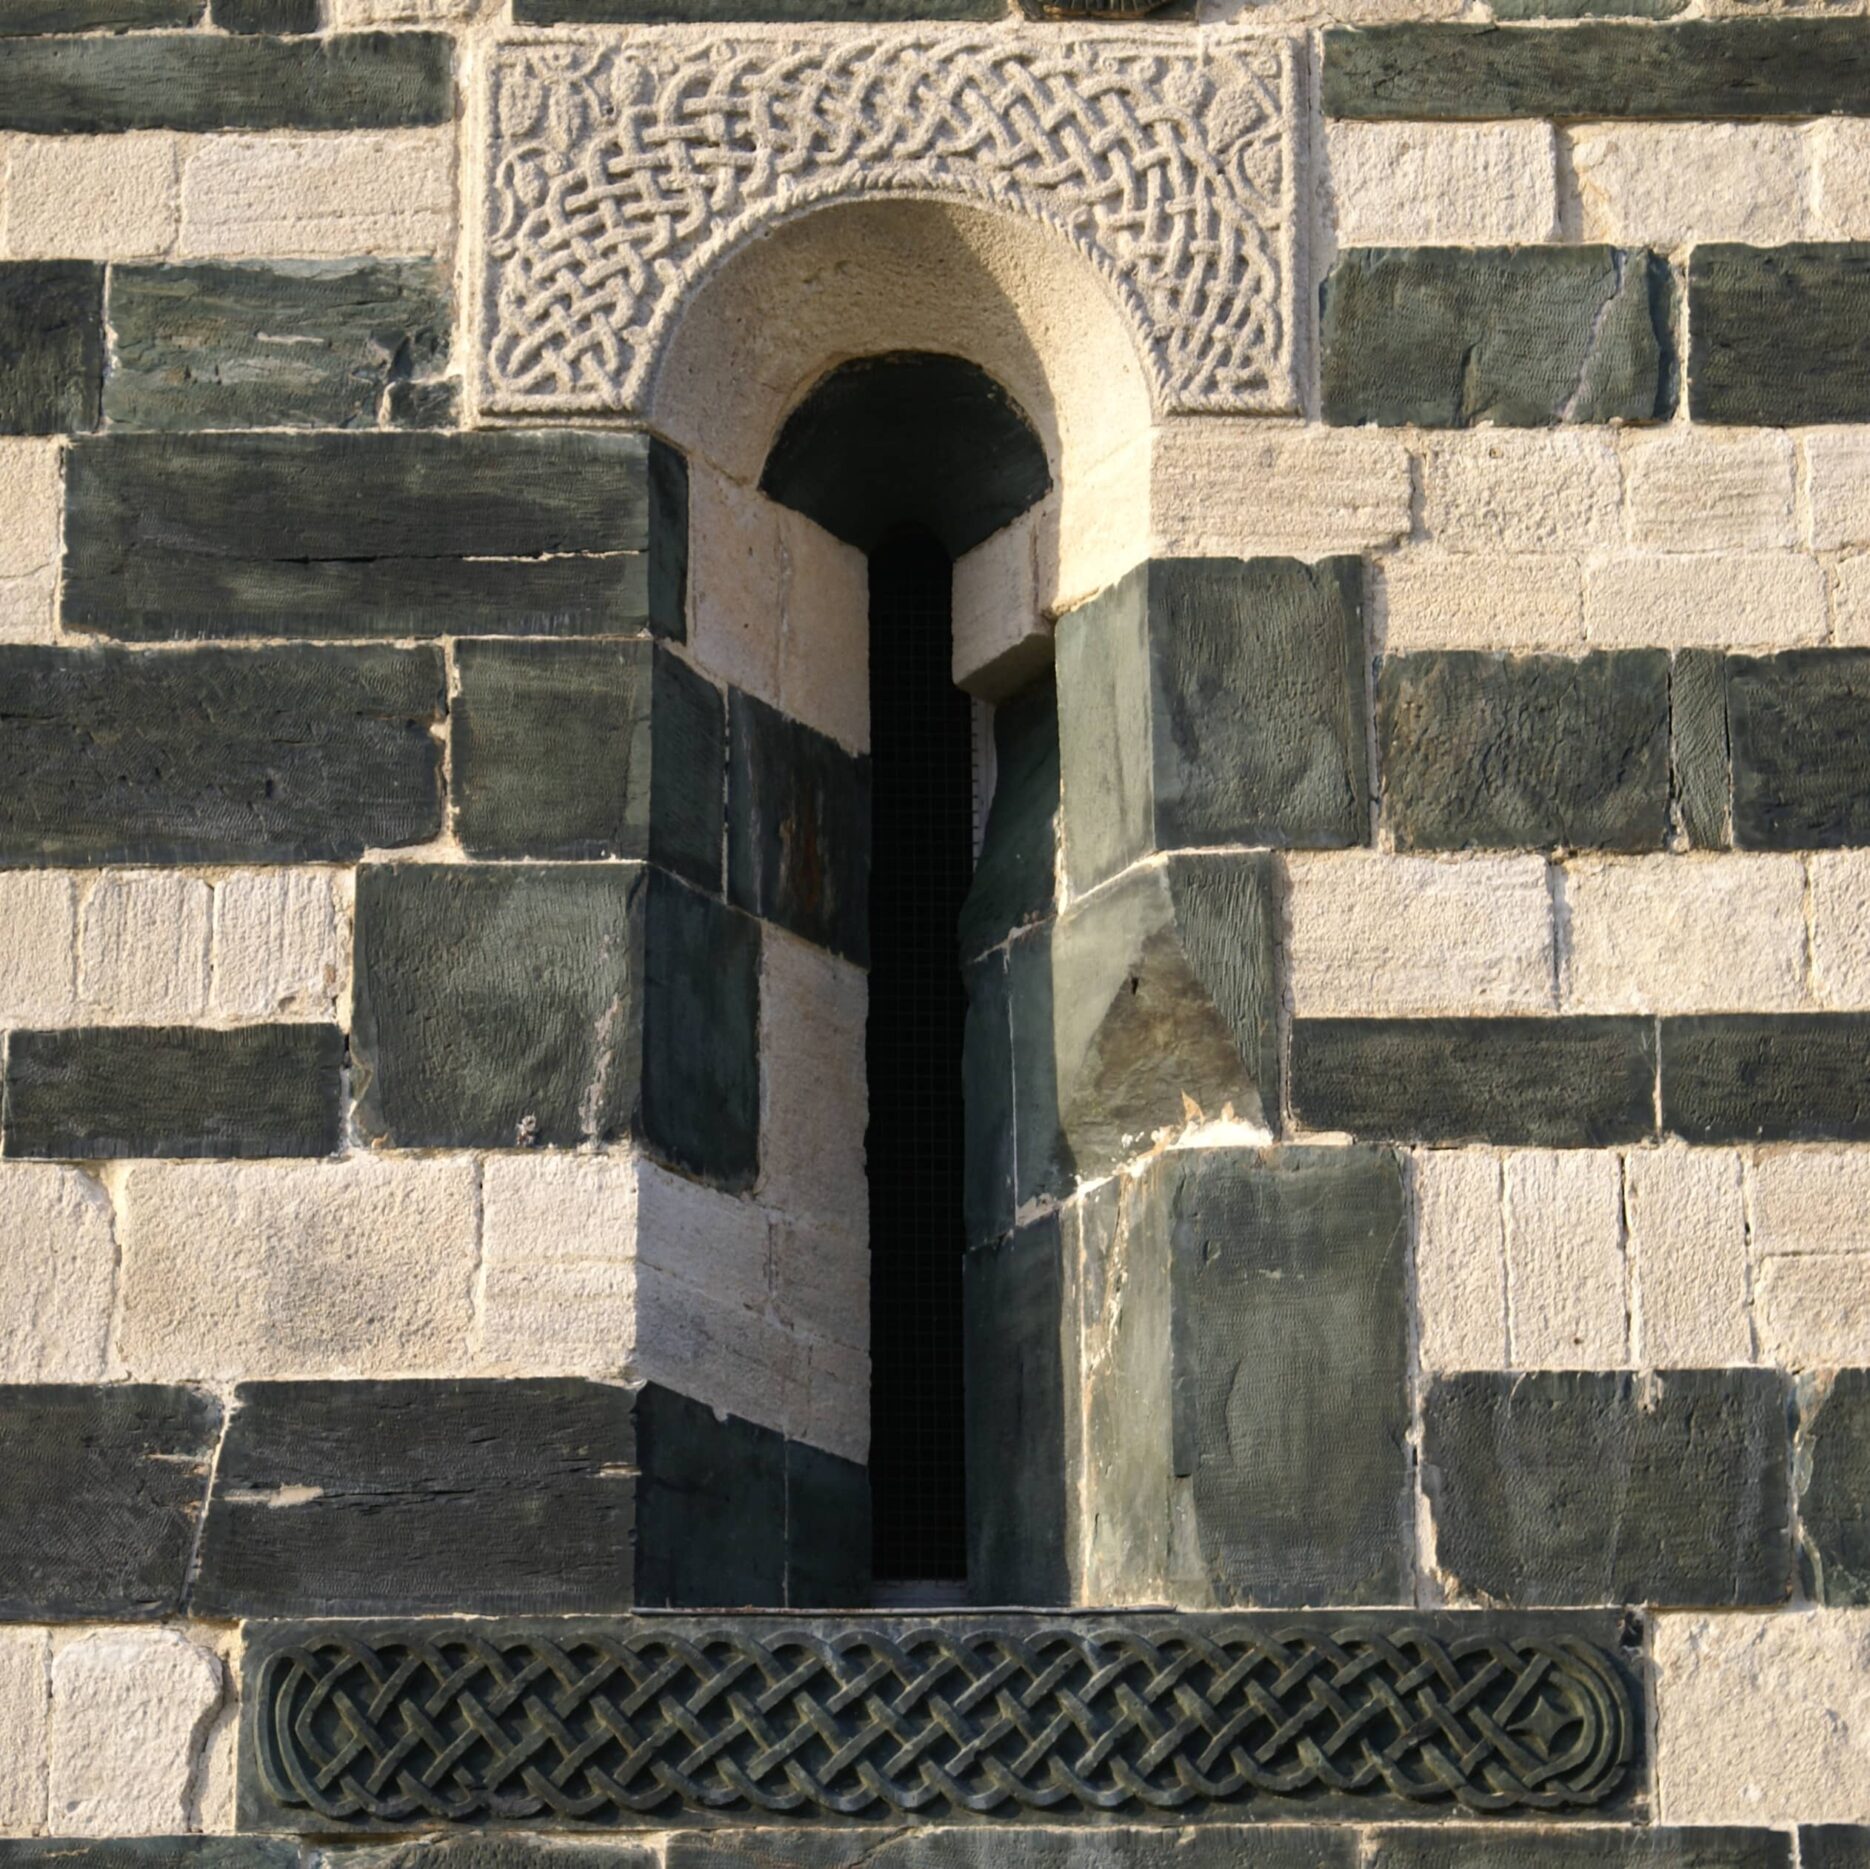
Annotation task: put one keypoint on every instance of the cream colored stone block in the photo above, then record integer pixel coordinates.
(360, 1267)
(1841, 179)
(93, 197)
(327, 196)
(1837, 464)
(29, 505)
(282, 944)
(833, 1411)
(1379, 934)
(1811, 1200)
(1812, 1313)
(1714, 600)
(1712, 490)
(1840, 884)
(1001, 638)
(1763, 1717)
(1850, 602)
(1505, 490)
(25, 1658)
(1460, 1259)
(350, 15)
(821, 1281)
(27, 607)
(61, 1262)
(734, 596)
(143, 940)
(824, 618)
(38, 948)
(1666, 184)
(129, 1710)
(714, 1243)
(1567, 1303)
(1454, 600)
(217, 1788)
(1443, 184)
(1684, 933)
(1688, 1258)
(1232, 487)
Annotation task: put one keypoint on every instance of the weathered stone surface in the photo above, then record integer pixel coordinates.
(1289, 1345)
(828, 1539)
(315, 344)
(1481, 750)
(267, 15)
(1712, 490)
(219, 755)
(1792, 1077)
(1520, 337)
(637, 745)
(210, 81)
(102, 1489)
(1463, 600)
(1038, 1154)
(1558, 1486)
(1833, 1846)
(491, 1850)
(1799, 729)
(1500, 490)
(1833, 1466)
(90, 1093)
(1567, 1277)
(1776, 333)
(798, 828)
(1015, 875)
(93, 197)
(47, 16)
(551, 1005)
(1213, 701)
(992, 1846)
(1688, 597)
(51, 341)
(1466, 1846)
(1701, 768)
(672, 12)
(282, 944)
(1676, 185)
(1539, 1083)
(503, 532)
(1686, 1219)
(57, 1232)
(171, 1852)
(1465, 184)
(987, 1100)
(1706, 70)
(144, 950)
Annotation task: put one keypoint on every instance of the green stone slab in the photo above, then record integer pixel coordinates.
(20, 18)
(1799, 724)
(1015, 876)
(211, 81)
(1041, 1164)
(268, 15)
(280, 755)
(676, 12)
(1702, 766)
(51, 344)
(1470, 1846)
(307, 343)
(1520, 337)
(95, 1093)
(1833, 1846)
(987, 1100)
(149, 1853)
(1560, 1083)
(1767, 1077)
(998, 1846)
(1698, 70)
(1833, 1465)
(488, 1850)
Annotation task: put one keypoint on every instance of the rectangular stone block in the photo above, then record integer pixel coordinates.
(675, 12)
(496, 532)
(268, 15)
(1833, 1846)
(211, 81)
(1567, 1277)
(1672, 185)
(25, 1683)
(1460, 1258)
(993, 1846)
(638, 754)
(93, 197)
(144, 947)
(100, 1490)
(1799, 732)
(55, 1306)
(38, 972)
(1552, 1487)
(1833, 1465)
(1702, 490)
(93, 1093)
(1713, 599)
(1460, 600)
(48, 16)
(1699, 70)
(1518, 337)
(149, 1852)
(1538, 1083)
(1015, 874)
(51, 339)
(1467, 1846)
(1460, 185)
(282, 944)
(306, 344)
(271, 755)
(1837, 467)
(1700, 763)
(1483, 750)
(1687, 1219)
(988, 1149)
(1510, 490)
(1745, 1077)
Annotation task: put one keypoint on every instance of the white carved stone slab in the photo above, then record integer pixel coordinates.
(621, 166)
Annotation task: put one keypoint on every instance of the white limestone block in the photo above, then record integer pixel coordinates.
(1667, 184)
(1456, 600)
(1688, 1258)
(1812, 1313)
(1850, 601)
(29, 529)
(1837, 463)
(1841, 179)
(1522, 490)
(1567, 1304)
(1730, 600)
(61, 1256)
(143, 940)
(38, 951)
(821, 1281)
(1840, 884)
(1460, 1258)
(1712, 490)
(734, 598)
(1443, 184)
(824, 631)
(1810, 1200)
(25, 1661)
(282, 944)
(1002, 639)
(93, 197)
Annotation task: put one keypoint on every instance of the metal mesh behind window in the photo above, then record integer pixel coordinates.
(920, 863)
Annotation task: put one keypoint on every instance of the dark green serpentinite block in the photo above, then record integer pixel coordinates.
(214, 81)
(149, 1853)
(1559, 1083)
(1833, 1846)
(676, 12)
(1799, 728)
(1015, 876)
(267, 15)
(990, 1846)
(93, 1093)
(292, 343)
(1521, 337)
(280, 755)
(1697, 70)
(51, 344)
(1767, 1077)
(1470, 1846)
(28, 17)
(1482, 750)
(1586, 1486)
(1700, 762)
(987, 1099)
(1833, 1466)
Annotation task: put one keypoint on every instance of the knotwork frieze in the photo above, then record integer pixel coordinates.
(621, 168)
(671, 1720)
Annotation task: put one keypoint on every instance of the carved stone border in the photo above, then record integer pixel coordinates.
(620, 168)
(685, 1719)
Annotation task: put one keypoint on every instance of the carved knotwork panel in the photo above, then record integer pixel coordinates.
(620, 168)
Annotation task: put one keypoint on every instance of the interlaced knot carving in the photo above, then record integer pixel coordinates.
(619, 172)
(469, 1722)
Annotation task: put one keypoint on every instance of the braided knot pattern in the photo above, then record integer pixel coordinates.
(619, 173)
(603, 1725)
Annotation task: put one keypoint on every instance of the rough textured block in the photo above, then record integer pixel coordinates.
(1465, 185)
(1840, 919)
(1464, 1846)
(1799, 727)
(992, 1846)
(1519, 337)
(1567, 1299)
(1543, 1083)
(1015, 875)
(51, 339)
(1798, 1077)
(1455, 600)
(48, 16)
(1213, 701)
(502, 532)
(267, 15)
(1698, 70)
(1560, 1487)
(1833, 1464)
(1837, 464)
(1715, 599)
(1700, 490)
(282, 944)
(103, 1487)
(1506, 490)
(1700, 763)
(98, 1092)
(1688, 1258)
(144, 947)
(310, 344)
(1672, 185)
(638, 745)
(1460, 1258)
(987, 1197)
(1002, 637)
(671, 12)
(56, 1232)
(798, 828)
(1841, 179)
(219, 755)
(151, 1852)
(1833, 1846)
(38, 984)
(208, 81)
(25, 1664)
(1482, 750)
(1776, 333)
(92, 197)
(1810, 1202)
